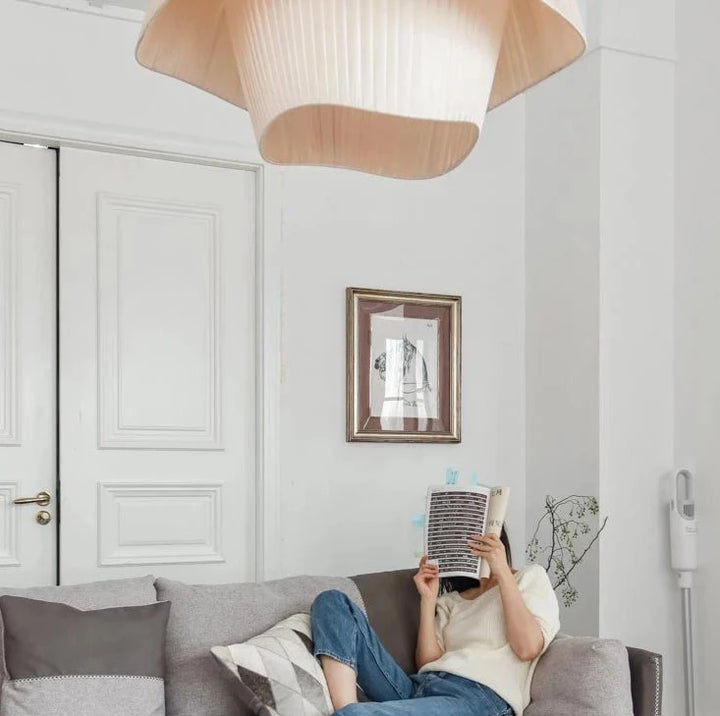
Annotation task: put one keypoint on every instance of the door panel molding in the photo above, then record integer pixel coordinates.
(202, 431)
(130, 514)
(8, 525)
(9, 365)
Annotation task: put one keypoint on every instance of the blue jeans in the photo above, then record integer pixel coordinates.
(340, 630)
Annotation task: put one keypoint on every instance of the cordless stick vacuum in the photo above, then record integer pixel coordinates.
(683, 560)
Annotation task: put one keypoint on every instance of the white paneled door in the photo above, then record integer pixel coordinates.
(157, 369)
(27, 366)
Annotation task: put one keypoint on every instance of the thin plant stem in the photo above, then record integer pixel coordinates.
(565, 518)
(585, 551)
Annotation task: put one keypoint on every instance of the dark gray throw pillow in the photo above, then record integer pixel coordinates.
(95, 595)
(64, 661)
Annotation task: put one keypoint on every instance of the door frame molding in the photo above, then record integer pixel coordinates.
(57, 133)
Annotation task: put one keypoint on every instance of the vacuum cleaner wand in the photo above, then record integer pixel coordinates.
(683, 560)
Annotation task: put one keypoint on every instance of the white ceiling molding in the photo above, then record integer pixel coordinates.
(99, 8)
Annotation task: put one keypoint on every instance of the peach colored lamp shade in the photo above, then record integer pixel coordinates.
(393, 87)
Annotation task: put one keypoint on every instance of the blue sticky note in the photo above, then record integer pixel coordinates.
(452, 476)
(474, 480)
(418, 520)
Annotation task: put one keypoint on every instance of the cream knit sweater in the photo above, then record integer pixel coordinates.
(472, 632)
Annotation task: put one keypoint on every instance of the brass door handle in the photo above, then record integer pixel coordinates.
(43, 499)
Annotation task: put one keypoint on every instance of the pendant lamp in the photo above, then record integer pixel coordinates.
(392, 87)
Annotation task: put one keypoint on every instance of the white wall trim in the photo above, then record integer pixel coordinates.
(81, 134)
(625, 51)
(59, 132)
(99, 8)
(268, 282)
(645, 55)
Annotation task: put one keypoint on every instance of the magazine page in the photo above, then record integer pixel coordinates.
(453, 513)
(497, 509)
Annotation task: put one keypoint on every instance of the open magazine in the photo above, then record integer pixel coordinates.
(453, 513)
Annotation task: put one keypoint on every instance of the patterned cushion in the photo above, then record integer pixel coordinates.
(64, 661)
(276, 671)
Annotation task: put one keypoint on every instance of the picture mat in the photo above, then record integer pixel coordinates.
(404, 368)
(453, 513)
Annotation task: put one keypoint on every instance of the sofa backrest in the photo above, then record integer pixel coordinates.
(203, 616)
(392, 606)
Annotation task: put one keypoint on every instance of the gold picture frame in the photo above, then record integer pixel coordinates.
(403, 366)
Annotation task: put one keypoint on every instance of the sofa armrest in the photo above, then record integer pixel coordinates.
(646, 676)
(393, 608)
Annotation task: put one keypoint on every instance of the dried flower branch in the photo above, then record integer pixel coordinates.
(571, 538)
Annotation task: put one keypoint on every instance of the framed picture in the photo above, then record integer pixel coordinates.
(403, 366)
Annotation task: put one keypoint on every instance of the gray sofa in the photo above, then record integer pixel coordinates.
(203, 616)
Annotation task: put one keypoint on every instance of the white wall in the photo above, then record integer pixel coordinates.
(79, 70)
(562, 296)
(637, 590)
(644, 27)
(343, 508)
(697, 316)
(459, 234)
(600, 339)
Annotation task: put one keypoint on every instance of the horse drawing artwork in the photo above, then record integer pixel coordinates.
(414, 367)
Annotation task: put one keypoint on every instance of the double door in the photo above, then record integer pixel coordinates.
(127, 368)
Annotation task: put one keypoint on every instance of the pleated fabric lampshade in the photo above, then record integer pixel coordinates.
(393, 87)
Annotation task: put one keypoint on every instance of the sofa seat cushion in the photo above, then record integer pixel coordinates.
(204, 616)
(94, 595)
(66, 661)
(582, 675)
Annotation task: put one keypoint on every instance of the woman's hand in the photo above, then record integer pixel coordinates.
(427, 580)
(491, 548)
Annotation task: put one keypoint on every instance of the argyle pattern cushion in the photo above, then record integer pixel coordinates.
(277, 672)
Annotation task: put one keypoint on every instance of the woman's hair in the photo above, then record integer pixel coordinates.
(460, 584)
